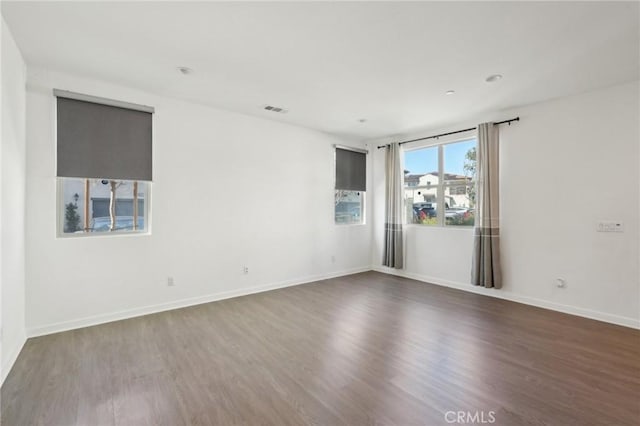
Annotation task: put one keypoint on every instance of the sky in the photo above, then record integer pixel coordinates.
(422, 161)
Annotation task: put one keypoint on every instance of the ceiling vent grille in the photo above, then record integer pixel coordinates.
(275, 109)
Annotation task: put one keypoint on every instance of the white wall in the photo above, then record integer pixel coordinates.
(204, 227)
(12, 188)
(566, 165)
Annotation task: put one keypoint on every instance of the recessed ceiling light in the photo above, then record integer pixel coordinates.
(493, 78)
(449, 92)
(185, 70)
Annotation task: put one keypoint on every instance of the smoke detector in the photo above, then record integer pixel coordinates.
(185, 70)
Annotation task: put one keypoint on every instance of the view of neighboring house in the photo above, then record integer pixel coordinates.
(421, 197)
(422, 188)
(99, 199)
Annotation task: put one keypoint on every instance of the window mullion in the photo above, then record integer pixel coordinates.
(87, 198)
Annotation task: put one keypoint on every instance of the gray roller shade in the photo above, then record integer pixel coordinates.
(351, 170)
(103, 141)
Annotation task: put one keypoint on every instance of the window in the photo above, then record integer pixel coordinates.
(441, 175)
(103, 205)
(349, 206)
(103, 165)
(350, 188)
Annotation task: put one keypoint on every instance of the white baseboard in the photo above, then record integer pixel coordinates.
(10, 358)
(502, 294)
(177, 304)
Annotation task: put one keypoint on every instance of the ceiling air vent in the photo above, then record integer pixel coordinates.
(275, 109)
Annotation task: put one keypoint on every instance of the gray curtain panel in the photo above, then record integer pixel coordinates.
(485, 270)
(393, 256)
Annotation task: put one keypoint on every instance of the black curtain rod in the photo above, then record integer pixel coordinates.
(452, 133)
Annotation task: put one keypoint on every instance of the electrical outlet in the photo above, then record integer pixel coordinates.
(170, 282)
(610, 226)
(333, 259)
(245, 270)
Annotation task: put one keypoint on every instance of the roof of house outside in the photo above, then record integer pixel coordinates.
(447, 176)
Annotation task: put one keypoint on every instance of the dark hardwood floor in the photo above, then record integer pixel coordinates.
(364, 349)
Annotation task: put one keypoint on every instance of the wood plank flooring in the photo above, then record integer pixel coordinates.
(359, 350)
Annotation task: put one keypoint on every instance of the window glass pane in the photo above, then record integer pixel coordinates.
(108, 205)
(420, 185)
(421, 204)
(418, 163)
(349, 206)
(459, 189)
(460, 162)
(460, 205)
(424, 190)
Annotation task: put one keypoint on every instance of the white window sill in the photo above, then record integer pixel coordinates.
(453, 227)
(70, 236)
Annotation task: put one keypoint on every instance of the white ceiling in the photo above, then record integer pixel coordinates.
(332, 63)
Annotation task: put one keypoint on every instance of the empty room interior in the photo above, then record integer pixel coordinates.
(320, 213)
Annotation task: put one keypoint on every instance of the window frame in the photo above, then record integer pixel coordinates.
(119, 233)
(363, 198)
(441, 185)
(363, 194)
(147, 132)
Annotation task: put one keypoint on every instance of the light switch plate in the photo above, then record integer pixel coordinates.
(610, 226)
